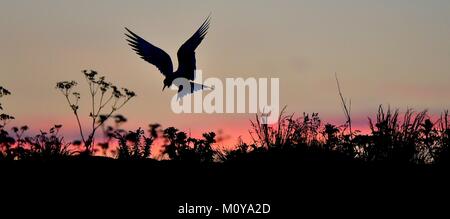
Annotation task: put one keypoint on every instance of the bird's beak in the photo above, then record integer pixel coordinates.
(164, 87)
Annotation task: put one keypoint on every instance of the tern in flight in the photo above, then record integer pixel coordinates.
(160, 59)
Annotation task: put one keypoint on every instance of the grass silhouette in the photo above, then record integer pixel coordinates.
(413, 138)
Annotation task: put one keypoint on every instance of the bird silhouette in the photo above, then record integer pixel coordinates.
(160, 59)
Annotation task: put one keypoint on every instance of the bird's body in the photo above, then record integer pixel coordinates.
(159, 58)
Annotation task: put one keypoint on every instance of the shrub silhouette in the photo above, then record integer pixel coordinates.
(287, 132)
(408, 138)
(4, 118)
(6, 141)
(44, 146)
(134, 145)
(110, 133)
(412, 139)
(331, 140)
(182, 148)
(442, 147)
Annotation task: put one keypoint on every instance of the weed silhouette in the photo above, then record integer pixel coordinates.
(106, 99)
(408, 138)
(180, 147)
(134, 145)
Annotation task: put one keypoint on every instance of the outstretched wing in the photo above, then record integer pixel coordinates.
(150, 53)
(186, 53)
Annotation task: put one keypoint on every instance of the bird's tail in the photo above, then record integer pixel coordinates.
(197, 87)
(194, 88)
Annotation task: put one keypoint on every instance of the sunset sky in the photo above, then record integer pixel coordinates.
(390, 52)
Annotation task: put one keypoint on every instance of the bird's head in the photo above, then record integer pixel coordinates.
(167, 83)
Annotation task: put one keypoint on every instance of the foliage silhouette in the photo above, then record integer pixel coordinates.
(4, 118)
(179, 147)
(395, 138)
(134, 145)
